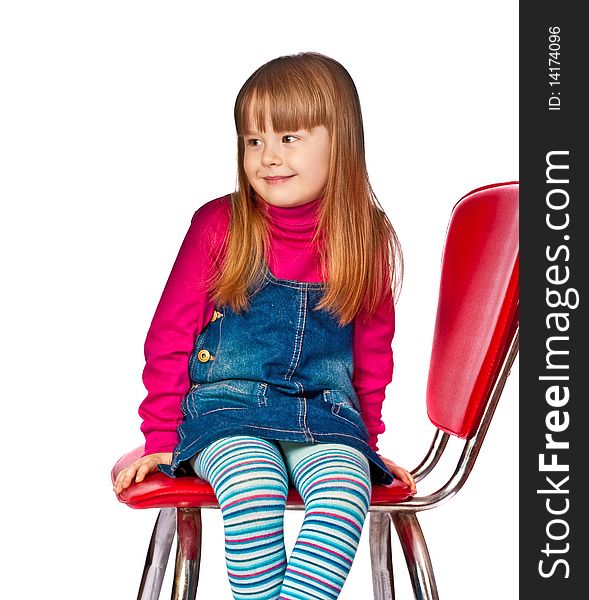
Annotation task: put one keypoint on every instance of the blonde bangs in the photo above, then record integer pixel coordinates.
(286, 97)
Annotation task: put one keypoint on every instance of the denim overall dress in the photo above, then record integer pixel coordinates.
(280, 370)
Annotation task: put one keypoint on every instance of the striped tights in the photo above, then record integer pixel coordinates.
(250, 478)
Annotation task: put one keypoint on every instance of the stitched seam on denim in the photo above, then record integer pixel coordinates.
(189, 445)
(328, 397)
(216, 355)
(294, 284)
(262, 394)
(192, 359)
(192, 363)
(290, 369)
(197, 440)
(215, 385)
(210, 412)
(194, 409)
(342, 417)
(307, 429)
(338, 434)
(187, 406)
(300, 398)
(275, 429)
(298, 342)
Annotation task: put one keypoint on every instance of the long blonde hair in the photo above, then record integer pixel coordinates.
(360, 253)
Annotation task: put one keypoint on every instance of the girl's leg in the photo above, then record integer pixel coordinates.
(334, 482)
(250, 481)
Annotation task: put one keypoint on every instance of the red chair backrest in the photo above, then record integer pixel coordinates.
(477, 307)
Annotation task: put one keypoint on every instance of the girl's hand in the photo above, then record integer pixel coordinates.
(139, 469)
(400, 473)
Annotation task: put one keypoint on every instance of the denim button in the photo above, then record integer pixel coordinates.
(204, 356)
(216, 315)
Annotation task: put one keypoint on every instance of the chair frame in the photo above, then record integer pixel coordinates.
(404, 514)
(185, 522)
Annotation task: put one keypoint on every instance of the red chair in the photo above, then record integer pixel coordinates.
(475, 343)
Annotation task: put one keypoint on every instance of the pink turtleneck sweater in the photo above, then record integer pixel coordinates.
(185, 309)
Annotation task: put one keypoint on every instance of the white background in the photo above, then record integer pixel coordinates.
(115, 126)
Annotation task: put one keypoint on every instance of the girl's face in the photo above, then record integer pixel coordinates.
(287, 168)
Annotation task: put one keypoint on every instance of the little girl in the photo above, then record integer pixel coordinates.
(270, 350)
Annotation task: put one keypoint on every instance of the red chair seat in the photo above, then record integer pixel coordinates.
(160, 491)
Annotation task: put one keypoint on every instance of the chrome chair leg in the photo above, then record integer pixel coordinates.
(189, 527)
(381, 560)
(157, 555)
(416, 555)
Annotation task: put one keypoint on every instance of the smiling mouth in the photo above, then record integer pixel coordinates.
(277, 179)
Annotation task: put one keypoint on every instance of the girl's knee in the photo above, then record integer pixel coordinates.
(335, 476)
(246, 473)
(346, 494)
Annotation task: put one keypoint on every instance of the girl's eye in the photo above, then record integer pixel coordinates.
(253, 142)
(289, 138)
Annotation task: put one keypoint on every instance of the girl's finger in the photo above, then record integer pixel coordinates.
(142, 471)
(121, 477)
(128, 475)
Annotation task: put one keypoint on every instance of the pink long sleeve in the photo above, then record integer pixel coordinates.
(185, 308)
(373, 364)
(183, 311)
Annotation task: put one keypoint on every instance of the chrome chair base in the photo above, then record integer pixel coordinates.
(417, 555)
(157, 555)
(187, 524)
(414, 548)
(189, 528)
(381, 561)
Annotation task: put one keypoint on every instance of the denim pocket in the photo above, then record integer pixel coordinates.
(343, 408)
(188, 404)
(226, 395)
(337, 398)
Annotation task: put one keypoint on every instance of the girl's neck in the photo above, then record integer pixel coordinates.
(301, 213)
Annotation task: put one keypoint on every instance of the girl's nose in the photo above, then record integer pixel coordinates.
(270, 156)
